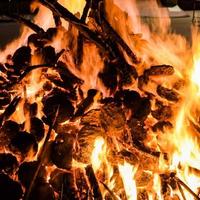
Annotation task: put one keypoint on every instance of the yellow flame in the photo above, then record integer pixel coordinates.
(97, 154)
(74, 6)
(127, 173)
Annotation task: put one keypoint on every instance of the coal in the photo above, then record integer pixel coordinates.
(42, 191)
(162, 113)
(9, 189)
(10, 129)
(21, 57)
(162, 126)
(5, 98)
(130, 98)
(110, 100)
(62, 151)
(86, 103)
(8, 163)
(143, 110)
(127, 74)
(36, 40)
(109, 76)
(112, 117)
(92, 118)
(142, 81)
(47, 86)
(159, 70)
(37, 128)
(138, 132)
(24, 143)
(64, 182)
(27, 171)
(51, 33)
(51, 103)
(33, 109)
(168, 94)
(49, 55)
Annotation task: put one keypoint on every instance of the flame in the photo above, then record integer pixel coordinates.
(98, 153)
(75, 6)
(127, 173)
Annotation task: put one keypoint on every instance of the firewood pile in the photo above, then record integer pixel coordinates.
(38, 153)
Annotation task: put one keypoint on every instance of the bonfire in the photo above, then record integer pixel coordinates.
(96, 104)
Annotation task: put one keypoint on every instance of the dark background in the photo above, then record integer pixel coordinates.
(10, 29)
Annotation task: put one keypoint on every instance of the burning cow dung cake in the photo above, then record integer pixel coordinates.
(90, 109)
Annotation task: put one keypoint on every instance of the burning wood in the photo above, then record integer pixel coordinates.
(83, 116)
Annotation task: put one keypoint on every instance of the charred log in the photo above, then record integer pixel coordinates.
(8, 163)
(62, 151)
(86, 103)
(24, 143)
(42, 191)
(93, 183)
(64, 184)
(160, 70)
(168, 94)
(9, 189)
(26, 173)
(37, 128)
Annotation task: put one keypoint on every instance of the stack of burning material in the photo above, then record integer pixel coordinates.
(63, 139)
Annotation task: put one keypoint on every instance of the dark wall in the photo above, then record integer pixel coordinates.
(15, 6)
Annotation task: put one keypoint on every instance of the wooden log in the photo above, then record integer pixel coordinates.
(93, 183)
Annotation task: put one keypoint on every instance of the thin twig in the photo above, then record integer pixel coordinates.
(26, 22)
(80, 39)
(187, 188)
(93, 183)
(181, 191)
(10, 109)
(82, 27)
(114, 35)
(26, 72)
(42, 155)
(114, 197)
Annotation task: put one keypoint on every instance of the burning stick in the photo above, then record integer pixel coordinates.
(114, 35)
(93, 183)
(82, 27)
(41, 156)
(26, 22)
(110, 191)
(33, 67)
(9, 110)
(181, 191)
(26, 72)
(187, 188)
(80, 36)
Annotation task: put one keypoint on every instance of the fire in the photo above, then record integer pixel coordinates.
(108, 131)
(98, 153)
(127, 173)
